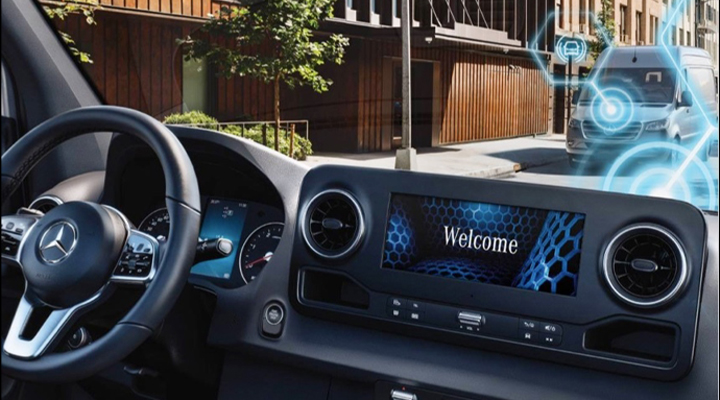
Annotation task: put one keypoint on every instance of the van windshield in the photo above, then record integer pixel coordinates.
(643, 85)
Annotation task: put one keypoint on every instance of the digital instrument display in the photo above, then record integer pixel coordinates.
(223, 219)
(517, 247)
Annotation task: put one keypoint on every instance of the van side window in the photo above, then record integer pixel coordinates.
(703, 82)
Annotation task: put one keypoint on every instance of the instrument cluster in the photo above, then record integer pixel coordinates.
(237, 238)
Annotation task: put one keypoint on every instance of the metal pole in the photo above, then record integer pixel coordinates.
(406, 78)
(569, 90)
(406, 155)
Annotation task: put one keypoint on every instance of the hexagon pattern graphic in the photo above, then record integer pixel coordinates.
(548, 243)
(554, 261)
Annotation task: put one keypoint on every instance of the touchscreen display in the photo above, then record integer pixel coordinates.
(518, 247)
(223, 219)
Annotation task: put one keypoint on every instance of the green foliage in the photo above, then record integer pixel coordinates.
(605, 28)
(194, 118)
(301, 148)
(62, 10)
(285, 27)
(271, 41)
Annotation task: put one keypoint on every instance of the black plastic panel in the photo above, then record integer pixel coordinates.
(503, 307)
(366, 355)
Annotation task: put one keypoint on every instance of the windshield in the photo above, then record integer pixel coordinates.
(327, 82)
(643, 85)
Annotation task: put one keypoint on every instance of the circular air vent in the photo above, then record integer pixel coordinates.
(332, 224)
(45, 203)
(645, 265)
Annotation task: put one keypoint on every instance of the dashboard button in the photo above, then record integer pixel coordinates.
(529, 325)
(470, 318)
(397, 313)
(402, 395)
(273, 320)
(396, 302)
(551, 340)
(528, 336)
(415, 315)
(553, 329)
(415, 305)
(274, 314)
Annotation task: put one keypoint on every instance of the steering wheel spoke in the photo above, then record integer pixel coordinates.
(37, 328)
(137, 263)
(15, 229)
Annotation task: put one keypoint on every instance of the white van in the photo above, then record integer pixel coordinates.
(648, 98)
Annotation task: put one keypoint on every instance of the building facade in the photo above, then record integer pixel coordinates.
(707, 27)
(473, 77)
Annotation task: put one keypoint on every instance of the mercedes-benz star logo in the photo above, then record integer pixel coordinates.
(58, 242)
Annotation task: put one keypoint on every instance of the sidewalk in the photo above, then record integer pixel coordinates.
(491, 159)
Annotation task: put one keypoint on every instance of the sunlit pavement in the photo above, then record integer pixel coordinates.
(489, 159)
(561, 174)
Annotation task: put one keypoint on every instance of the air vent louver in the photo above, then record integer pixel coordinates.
(45, 203)
(645, 265)
(333, 224)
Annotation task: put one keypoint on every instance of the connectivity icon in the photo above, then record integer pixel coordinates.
(573, 49)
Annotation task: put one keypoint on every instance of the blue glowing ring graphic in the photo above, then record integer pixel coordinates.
(661, 176)
(656, 177)
(567, 47)
(612, 110)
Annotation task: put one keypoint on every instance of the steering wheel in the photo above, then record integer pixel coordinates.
(75, 255)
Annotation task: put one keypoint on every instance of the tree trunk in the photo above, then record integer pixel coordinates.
(277, 113)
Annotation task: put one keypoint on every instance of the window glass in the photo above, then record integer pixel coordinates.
(704, 82)
(643, 85)
(492, 83)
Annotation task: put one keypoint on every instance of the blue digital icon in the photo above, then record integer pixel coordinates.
(573, 49)
(566, 48)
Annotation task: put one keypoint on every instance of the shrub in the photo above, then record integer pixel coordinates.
(301, 149)
(195, 118)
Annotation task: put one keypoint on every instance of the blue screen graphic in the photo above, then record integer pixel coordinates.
(223, 219)
(517, 247)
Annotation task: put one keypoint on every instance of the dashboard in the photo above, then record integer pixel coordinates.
(377, 281)
(597, 280)
(242, 217)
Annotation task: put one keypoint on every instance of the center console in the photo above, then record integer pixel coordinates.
(599, 280)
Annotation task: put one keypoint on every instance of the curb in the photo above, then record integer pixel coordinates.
(509, 169)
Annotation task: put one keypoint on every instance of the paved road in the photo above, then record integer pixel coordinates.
(693, 188)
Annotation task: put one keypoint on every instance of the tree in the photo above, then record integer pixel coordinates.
(62, 10)
(282, 30)
(605, 28)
